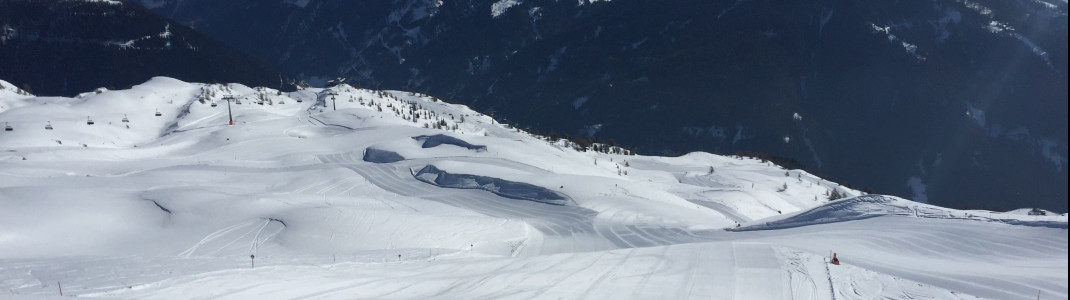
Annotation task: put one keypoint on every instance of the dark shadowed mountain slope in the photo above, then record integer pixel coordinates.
(961, 103)
(65, 47)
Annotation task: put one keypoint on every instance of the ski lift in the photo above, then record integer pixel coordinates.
(48, 126)
(8, 127)
(298, 100)
(125, 119)
(214, 105)
(282, 101)
(158, 113)
(237, 101)
(89, 121)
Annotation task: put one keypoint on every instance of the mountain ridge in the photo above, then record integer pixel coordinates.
(295, 200)
(936, 89)
(67, 47)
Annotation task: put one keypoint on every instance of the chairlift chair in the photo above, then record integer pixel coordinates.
(89, 121)
(48, 126)
(158, 113)
(8, 127)
(237, 101)
(125, 119)
(214, 105)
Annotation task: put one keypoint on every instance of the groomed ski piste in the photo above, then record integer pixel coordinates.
(347, 193)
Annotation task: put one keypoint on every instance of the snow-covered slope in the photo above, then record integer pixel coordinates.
(7, 90)
(400, 195)
(870, 206)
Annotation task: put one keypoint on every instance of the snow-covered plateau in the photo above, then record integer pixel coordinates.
(345, 193)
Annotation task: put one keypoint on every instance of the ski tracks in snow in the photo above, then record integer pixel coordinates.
(255, 227)
(211, 237)
(802, 271)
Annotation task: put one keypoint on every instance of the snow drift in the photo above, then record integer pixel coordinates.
(871, 206)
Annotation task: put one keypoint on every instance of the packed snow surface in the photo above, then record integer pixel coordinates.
(397, 195)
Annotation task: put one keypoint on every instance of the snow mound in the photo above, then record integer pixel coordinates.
(431, 141)
(508, 189)
(381, 156)
(870, 206)
(1031, 212)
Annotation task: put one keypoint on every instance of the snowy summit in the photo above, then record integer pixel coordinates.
(343, 193)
